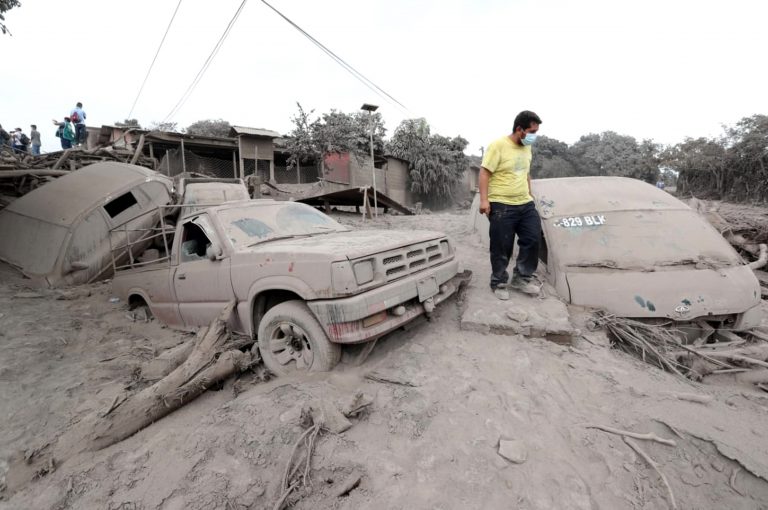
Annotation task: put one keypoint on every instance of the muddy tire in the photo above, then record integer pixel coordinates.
(291, 340)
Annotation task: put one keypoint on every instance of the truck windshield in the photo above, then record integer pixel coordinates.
(256, 223)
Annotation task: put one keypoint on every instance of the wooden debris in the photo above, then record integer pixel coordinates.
(625, 433)
(349, 483)
(647, 458)
(389, 379)
(20, 173)
(691, 397)
(213, 359)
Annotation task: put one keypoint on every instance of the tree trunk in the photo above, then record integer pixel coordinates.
(212, 360)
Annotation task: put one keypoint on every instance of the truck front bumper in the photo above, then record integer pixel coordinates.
(372, 314)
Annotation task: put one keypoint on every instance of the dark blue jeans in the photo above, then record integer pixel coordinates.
(80, 133)
(508, 221)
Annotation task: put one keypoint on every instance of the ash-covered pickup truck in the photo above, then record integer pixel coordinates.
(304, 284)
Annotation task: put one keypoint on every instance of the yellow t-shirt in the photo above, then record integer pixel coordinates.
(509, 165)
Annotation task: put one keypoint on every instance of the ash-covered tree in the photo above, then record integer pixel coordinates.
(210, 127)
(128, 123)
(437, 163)
(5, 6)
(610, 153)
(701, 164)
(733, 166)
(550, 159)
(169, 127)
(334, 132)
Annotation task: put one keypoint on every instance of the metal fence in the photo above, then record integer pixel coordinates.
(173, 164)
(307, 174)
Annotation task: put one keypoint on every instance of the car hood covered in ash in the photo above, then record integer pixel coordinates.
(340, 245)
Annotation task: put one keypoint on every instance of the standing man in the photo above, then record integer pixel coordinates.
(20, 141)
(505, 197)
(34, 135)
(77, 116)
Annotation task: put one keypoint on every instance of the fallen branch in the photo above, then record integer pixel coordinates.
(655, 466)
(211, 361)
(645, 437)
(762, 258)
(388, 379)
(290, 482)
(739, 357)
(691, 397)
(732, 481)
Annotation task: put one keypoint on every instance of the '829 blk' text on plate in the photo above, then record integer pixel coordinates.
(581, 221)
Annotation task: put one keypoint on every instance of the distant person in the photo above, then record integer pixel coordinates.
(77, 116)
(34, 135)
(5, 137)
(505, 197)
(660, 184)
(65, 132)
(20, 141)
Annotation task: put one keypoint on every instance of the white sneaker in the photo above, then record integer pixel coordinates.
(524, 285)
(500, 293)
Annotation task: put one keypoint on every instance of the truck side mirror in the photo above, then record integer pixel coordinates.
(213, 252)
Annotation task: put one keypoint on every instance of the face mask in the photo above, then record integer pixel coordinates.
(529, 139)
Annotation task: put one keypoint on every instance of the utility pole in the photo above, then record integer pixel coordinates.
(370, 108)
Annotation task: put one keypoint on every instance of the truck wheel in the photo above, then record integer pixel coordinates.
(291, 340)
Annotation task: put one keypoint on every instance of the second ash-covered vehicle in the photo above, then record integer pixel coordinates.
(303, 283)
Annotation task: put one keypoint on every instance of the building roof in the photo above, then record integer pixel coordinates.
(64, 200)
(175, 138)
(242, 130)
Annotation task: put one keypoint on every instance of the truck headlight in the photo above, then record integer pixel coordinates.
(446, 249)
(363, 271)
(343, 278)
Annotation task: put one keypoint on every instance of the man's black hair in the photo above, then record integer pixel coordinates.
(79, 105)
(33, 126)
(524, 120)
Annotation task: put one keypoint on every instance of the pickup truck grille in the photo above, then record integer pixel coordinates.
(411, 259)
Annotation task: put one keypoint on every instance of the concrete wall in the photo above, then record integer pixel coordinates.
(397, 186)
(337, 168)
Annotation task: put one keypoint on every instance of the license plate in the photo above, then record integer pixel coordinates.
(427, 288)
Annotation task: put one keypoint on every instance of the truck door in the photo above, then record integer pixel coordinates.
(203, 286)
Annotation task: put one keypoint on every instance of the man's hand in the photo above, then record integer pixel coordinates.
(485, 207)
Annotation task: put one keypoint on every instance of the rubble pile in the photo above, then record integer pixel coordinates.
(21, 173)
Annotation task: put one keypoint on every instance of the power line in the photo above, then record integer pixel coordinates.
(153, 60)
(207, 63)
(354, 72)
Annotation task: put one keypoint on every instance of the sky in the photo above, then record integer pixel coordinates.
(653, 69)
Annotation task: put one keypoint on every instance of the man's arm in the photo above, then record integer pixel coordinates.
(485, 205)
(530, 189)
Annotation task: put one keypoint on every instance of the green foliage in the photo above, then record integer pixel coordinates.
(333, 133)
(128, 123)
(733, 167)
(5, 6)
(437, 163)
(210, 127)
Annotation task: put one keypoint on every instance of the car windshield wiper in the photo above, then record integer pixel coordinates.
(700, 263)
(277, 238)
